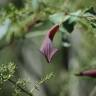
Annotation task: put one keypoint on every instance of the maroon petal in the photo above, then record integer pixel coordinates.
(89, 73)
(47, 48)
(53, 31)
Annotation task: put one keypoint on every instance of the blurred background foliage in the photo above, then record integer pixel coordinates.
(23, 24)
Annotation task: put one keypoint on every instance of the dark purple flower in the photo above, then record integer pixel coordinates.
(47, 48)
(89, 73)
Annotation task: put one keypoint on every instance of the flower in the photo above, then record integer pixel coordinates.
(47, 48)
(88, 73)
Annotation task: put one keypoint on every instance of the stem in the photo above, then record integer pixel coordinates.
(82, 16)
(93, 91)
(23, 90)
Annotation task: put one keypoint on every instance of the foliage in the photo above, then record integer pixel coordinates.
(6, 72)
(18, 24)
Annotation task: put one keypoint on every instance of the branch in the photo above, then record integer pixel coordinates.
(23, 90)
(93, 92)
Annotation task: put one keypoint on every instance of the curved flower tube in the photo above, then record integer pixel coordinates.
(89, 73)
(47, 48)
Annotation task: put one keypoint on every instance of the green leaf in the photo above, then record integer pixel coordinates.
(4, 28)
(57, 18)
(91, 11)
(35, 5)
(74, 16)
(68, 26)
(6, 71)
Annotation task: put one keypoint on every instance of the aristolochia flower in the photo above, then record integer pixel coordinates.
(89, 73)
(47, 48)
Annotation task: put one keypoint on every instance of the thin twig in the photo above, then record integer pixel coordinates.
(23, 90)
